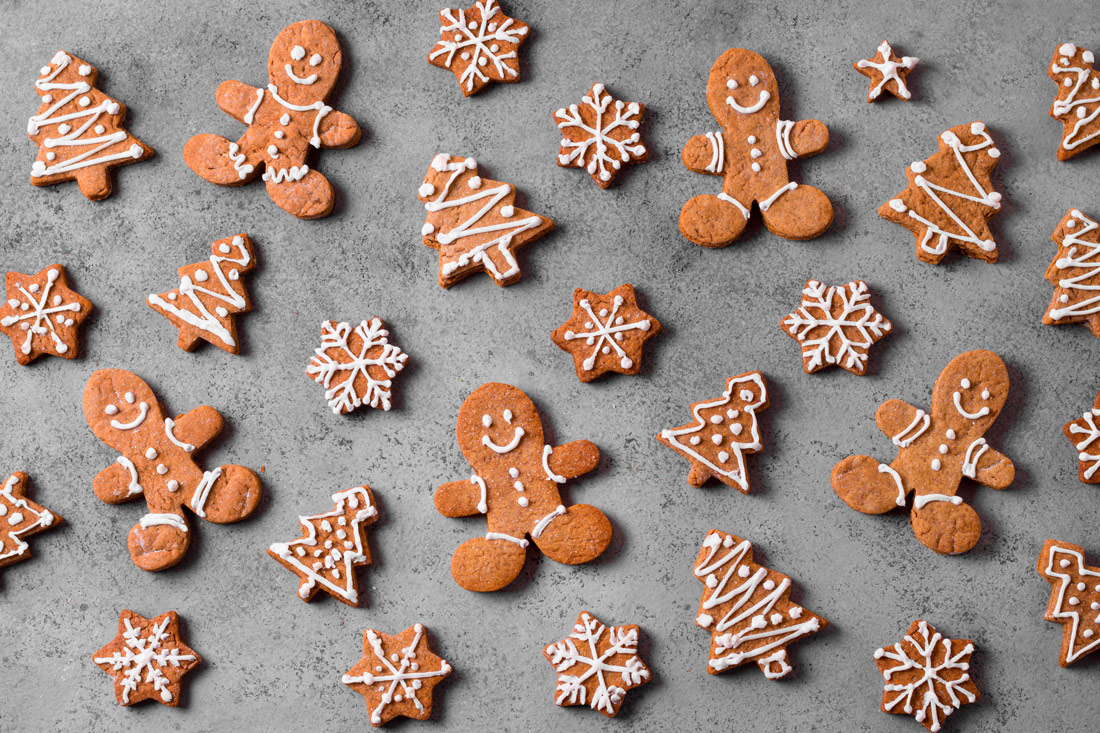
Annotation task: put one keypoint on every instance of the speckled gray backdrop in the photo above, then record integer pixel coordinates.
(274, 663)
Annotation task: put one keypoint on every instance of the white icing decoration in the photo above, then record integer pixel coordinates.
(847, 336)
(546, 453)
(565, 655)
(969, 415)
(883, 468)
(19, 511)
(889, 70)
(202, 491)
(171, 520)
(543, 523)
(1083, 284)
(1074, 649)
(1090, 433)
(973, 453)
(344, 396)
(1062, 107)
(36, 314)
(143, 410)
(482, 505)
(603, 333)
(920, 501)
(507, 538)
(626, 115)
(402, 671)
(143, 658)
(717, 152)
(477, 37)
(319, 107)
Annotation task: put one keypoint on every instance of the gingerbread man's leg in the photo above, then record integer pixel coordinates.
(308, 197)
(489, 563)
(867, 485)
(160, 539)
(713, 221)
(573, 536)
(227, 494)
(945, 524)
(797, 211)
(220, 161)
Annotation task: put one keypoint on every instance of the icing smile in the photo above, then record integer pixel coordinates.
(759, 105)
(297, 79)
(488, 442)
(136, 422)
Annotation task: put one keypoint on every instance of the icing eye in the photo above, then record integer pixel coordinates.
(315, 60)
(486, 420)
(129, 396)
(754, 80)
(746, 395)
(985, 394)
(111, 410)
(731, 84)
(508, 416)
(297, 53)
(965, 383)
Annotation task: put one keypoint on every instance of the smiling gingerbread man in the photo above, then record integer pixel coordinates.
(936, 449)
(751, 155)
(515, 485)
(284, 120)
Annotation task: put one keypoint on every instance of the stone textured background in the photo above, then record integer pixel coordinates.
(273, 662)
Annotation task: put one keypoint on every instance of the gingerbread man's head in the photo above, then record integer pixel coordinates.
(742, 86)
(499, 424)
(974, 387)
(304, 62)
(121, 408)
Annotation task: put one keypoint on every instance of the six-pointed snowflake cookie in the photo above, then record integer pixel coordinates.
(887, 72)
(836, 326)
(42, 314)
(1083, 434)
(950, 197)
(1074, 598)
(332, 545)
(747, 608)
(147, 659)
(479, 45)
(596, 664)
(927, 675)
(397, 674)
(356, 366)
(723, 432)
(606, 332)
(1077, 104)
(20, 518)
(1075, 273)
(601, 135)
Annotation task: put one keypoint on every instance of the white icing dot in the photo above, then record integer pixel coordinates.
(756, 167)
(129, 397)
(754, 80)
(507, 211)
(918, 166)
(100, 129)
(936, 464)
(84, 101)
(175, 485)
(897, 205)
(297, 53)
(513, 472)
(151, 453)
(950, 434)
(736, 428)
(486, 420)
(111, 410)
(279, 134)
(272, 150)
(716, 439)
(162, 469)
(201, 276)
(730, 83)
(752, 139)
(965, 383)
(284, 120)
(315, 60)
(716, 419)
(985, 394)
(943, 448)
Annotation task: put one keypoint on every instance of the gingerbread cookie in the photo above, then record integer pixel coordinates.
(210, 295)
(356, 366)
(42, 314)
(1075, 273)
(601, 135)
(950, 197)
(20, 518)
(602, 670)
(747, 608)
(887, 72)
(606, 332)
(332, 545)
(515, 485)
(284, 121)
(723, 432)
(397, 674)
(1083, 433)
(156, 461)
(474, 222)
(936, 449)
(751, 155)
(78, 129)
(479, 45)
(836, 326)
(147, 659)
(1074, 598)
(927, 675)
(1077, 104)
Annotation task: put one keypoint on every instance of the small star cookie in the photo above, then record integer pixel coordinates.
(42, 314)
(600, 135)
(836, 326)
(606, 333)
(887, 72)
(147, 659)
(479, 45)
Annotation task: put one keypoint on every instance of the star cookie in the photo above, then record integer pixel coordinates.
(600, 135)
(20, 518)
(397, 674)
(836, 326)
(887, 72)
(1083, 433)
(42, 314)
(606, 332)
(147, 659)
(479, 45)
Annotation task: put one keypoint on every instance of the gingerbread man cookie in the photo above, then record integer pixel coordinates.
(515, 485)
(284, 120)
(1077, 105)
(156, 460)
(936, 449)
(751, 155)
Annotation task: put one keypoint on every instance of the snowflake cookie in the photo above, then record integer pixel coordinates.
(1074, 598)
(210, 295)
(596, 665)
(147, 659)
(474, 222)
(479, 45)
(1083, 433)
(601, 135)
(723, 432)
(1077, 104)
(927, 675)
(78, 129)
(397, 674)
(42, 314)
(356, 366)
(887, 72)
(936, 450)
(20, 518)
(950, 197)
(284, 121)
(1075, 273)
(332, 545)
(836, 326)
(747, 608)
(606, 333)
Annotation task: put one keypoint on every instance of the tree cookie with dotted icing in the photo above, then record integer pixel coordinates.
(479, 44)
(936, 450)
(606, 332)
(1074, 598)
(20, 518)
(1075, 273)
(1077, 104)
(42, 314)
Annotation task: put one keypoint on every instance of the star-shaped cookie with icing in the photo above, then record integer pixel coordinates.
(42, 314)
(887, 72)
(606, 332)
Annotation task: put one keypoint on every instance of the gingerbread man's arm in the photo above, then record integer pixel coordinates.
(339, 130)
(461, 498)
(116, 484)
(573, 459)
(801, 139)
(897, 419)
(237, 98)
(990, 468)
(705, 154)
(197, 427)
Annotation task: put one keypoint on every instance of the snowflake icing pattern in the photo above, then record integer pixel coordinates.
(148, 650)
(485, 42)
(932, 679)
(1083, 433)
(836, 325)
(596, 140)
(600, 677)
(40, 306)
(356, 366)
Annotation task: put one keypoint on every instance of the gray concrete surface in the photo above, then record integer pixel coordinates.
(274, 663)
